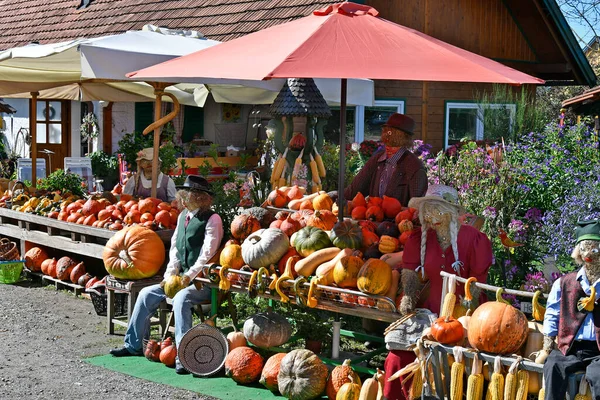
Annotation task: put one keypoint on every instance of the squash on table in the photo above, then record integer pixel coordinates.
(345, 272)
(268, 376)
(497, 327)
(289, 226)
(405, 226)
(374, 213)
(359, 200)
(322, 219)
(359, 212)
(447, 330)
(391, 206)
(244, 225)
(346, 234)
(340, 375)
(302, 375)
(310, 239)
(34, 258)
(307, 266)
(243, 365)
(134, 253)
(282, 262)
(267, 329)
(64, 267)
(388, 244)
(264, 247)
(277, 198)
(374, 277)
(325, 271)
(349, 391)
(231, 256)
(322, 202)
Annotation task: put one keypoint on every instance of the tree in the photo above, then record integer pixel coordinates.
(585, 13)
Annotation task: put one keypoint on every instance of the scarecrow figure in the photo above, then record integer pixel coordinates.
(572, 320)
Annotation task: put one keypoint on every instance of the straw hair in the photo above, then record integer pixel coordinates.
(454, 227)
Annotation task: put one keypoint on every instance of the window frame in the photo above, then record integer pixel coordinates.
(47, 121)
(473, 105)
(359, 116)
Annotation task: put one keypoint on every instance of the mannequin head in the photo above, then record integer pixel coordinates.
(587, 248)
(398, 131)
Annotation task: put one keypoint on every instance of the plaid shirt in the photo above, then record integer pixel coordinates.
(405, 179)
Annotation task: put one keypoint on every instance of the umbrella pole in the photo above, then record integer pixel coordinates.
(342, 149)
(33, 131)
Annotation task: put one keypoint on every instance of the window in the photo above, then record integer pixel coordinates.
(477, 122)
(370, 119)
(193, 123)
(144, 116)
(362, 123)
(49, 122)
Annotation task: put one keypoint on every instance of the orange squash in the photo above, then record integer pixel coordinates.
(497, 327)
(339, 376)
(289, 226)
(359, 200)
(163, 218)
(374, 213)
(322, 219)
(91, 207)
(391, 206)
(243, 365)
(277, 198)
(345, 271)
(405, 226)
(447, 330)
(306, 205)
(368, 238)
(244, 225)
(64, 267)
(133, 253)
(46, 265)
(405, 214)
(268, 377)
(374, 277)
(236, 339)
(294, 193)
(34, 258)
(404, 237)
(322, 202)
(231, 256)
(146, 217)
(359, 212)
(147, 206)
(388, 244)
(374, 201)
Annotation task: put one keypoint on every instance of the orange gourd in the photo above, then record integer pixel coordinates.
(134, 253)
(374, 277)
(339, 376)
(294, 193)
(277, 198)
(132, 217)
(231, 256)
(388, 244)
(236, 339)
(368, 238)
(404, 237)
(34, 258)
(374, 201)
(391, 206)
(163, 218)
(168, 355)
(359, 212)
(46, 264)
(322, 202)
(345, 271)
(307, 205)
(447, 330)
(374, 213)
(147, 206)
(91, 207)
(268, 377)
(404, 214)
(322, 219)
(243, 365)
(244, 225)
(289, 226)
(146, 217)
(64, 266)
(164, 206)
(359, 200)
(405, 226)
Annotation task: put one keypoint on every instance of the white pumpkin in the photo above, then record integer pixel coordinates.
(264, 247)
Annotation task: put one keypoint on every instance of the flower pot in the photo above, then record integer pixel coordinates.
(314, 345)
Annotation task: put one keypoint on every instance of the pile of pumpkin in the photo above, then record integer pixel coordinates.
(299, 374)
(100, 212)
(494, 327)
(164, 352)
(64, 269)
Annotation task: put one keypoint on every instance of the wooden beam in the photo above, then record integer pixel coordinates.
(33, 133)
(534, 68)
(107, 128)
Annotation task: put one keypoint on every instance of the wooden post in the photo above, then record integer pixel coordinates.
(158, 91)
(107, 128)
(33, 132)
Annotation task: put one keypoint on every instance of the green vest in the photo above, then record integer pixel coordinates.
(190, 240)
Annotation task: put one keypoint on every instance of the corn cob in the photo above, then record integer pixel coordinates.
(522, 385)
(538, 311)
(314, 171)
(542, 392)
(297, 165)
(282, 181)
(475, 381)
(511, 382)
(449, 298)
(278, 167)
(320, 165)
(584, 391)
(497, 381)
(416, 385)
(457, 371)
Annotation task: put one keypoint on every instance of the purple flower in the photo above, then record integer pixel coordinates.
(489, 212)
(533, 215)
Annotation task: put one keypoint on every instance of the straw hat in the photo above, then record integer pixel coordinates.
(442, 193)
(146, 154)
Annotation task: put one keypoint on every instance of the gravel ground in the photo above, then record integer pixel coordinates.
(46, 334)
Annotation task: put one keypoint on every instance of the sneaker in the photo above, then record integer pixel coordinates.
(179, 369)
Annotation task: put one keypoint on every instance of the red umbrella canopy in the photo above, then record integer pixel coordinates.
(345, 40)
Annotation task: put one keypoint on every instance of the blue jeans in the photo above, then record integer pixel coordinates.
(146, 305)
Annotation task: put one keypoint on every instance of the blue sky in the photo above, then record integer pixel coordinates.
(581, 31)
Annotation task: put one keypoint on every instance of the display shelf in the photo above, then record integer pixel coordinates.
(58, 284)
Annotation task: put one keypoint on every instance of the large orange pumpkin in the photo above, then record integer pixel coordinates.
(244, 225)
(322, 202)
(268, 377)
(243, 365)
(340, 375)
(374, 277)
(497, 327)
(34, 258)
(134, 253)
(322, 219)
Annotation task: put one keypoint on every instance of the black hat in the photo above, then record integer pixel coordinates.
(588, 230)
(195, 182)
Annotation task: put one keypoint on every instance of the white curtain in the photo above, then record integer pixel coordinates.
(177, 121)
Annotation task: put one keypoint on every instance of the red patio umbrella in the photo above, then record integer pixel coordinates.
(345, 40)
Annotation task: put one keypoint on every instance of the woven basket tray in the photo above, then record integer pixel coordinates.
(8, 250)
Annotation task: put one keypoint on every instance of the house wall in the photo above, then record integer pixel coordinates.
(13, 122)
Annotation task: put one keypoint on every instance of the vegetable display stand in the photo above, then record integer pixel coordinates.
(132, 290)
(299, 292)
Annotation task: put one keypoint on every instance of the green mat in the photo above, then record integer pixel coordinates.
(220, 387)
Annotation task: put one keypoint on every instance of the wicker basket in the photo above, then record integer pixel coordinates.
(10, 271)
(8, 250)
(99, 300)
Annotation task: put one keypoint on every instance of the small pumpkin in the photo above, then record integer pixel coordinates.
(368, 238)
(168, 355)
(34, 258)
(349, 391)
(346, 235)
(322, 202)
(388, 228)
(83, 280)
(236, 339)
(133, 253)
(391, 206)
(359, 200)
(367, 224)
(243, 365)
(374, 201)
(91, 207)
(302, 375)
(405, 226)
(322, 219)
(151, 349)
(244, 225)
(307, 205)
(172, 286)
(281, 264)
(359, 212)
(404, 236)
(267, 329)
(374, 277)
(447, 330)
(388, 244)
(374, 213)
(407, 213)
(264, 247)
(294, 193)
(289, 226)
(345, 271)
(64, 267)
(147, 206)
(268, 376)
(277, 198)
(46, 264)
(310, 239)
(231, 256)
(339, 376)
(52, 268)
(77, 272)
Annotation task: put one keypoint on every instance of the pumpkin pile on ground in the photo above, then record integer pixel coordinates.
(243, 365)
(267, 329)
(302, 375)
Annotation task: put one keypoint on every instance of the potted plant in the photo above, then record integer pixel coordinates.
(105, 167)
(315, 330)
